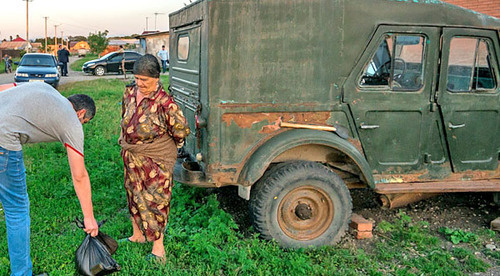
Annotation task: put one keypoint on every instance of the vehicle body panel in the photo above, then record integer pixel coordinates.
(253, 64)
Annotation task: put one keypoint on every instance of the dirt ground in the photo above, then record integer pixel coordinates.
(465, 211)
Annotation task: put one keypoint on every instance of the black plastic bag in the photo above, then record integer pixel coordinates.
(110, 243)
(93, 257)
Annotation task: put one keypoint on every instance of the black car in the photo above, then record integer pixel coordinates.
(37, 67)
(111, 62)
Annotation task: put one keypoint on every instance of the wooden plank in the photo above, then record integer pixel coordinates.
(491, 185)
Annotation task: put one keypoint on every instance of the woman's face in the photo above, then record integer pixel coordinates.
(147, 85)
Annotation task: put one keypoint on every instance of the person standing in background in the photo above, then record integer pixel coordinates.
(124, 70)
(6, 61)
(9, 65)
(163, 55)
(63, 58)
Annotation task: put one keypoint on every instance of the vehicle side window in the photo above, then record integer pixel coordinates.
(118, 57)
(397, 63)
(130, 56)
(470, 65)
(183, 47)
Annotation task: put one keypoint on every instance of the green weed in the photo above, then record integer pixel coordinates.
(457, 236)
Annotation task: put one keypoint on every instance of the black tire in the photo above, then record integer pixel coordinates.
(99, 71)
(301, 204)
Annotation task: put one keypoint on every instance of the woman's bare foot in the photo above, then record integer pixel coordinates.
(158, 248)
(138, 239)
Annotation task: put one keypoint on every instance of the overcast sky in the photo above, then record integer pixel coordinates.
(80, 17)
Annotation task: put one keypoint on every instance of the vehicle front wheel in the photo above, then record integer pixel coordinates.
(99, 71)
(301, 204)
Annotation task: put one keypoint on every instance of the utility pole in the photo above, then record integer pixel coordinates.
(156, 14)
(62, 37)
(27, 21)
(55, 38)
(147, 28)
(46, 17)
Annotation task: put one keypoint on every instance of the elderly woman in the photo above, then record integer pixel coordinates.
(152, 128)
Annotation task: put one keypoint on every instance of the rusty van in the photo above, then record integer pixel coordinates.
(296, 102)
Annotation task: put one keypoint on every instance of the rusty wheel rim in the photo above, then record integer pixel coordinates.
(305, 213)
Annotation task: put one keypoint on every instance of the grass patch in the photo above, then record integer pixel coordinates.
(201, 238)
(77, 65)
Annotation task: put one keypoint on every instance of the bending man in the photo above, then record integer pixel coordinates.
(35, 113)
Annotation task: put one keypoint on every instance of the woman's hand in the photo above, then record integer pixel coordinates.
(91, 226)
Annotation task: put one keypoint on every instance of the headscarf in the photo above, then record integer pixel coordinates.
(148, 66)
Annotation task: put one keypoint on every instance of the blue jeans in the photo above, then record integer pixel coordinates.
(164, 65)
(15, 202)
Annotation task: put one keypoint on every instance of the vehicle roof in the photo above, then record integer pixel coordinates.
(416, 12)
(38, 54)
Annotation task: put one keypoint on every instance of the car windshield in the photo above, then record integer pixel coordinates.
(38, 60)
(107, 55)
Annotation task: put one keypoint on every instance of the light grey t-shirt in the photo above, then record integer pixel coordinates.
(34, 113)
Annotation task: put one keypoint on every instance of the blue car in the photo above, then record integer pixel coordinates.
(38, 67)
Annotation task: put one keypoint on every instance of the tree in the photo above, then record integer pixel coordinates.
(98, 42)
(77, 38)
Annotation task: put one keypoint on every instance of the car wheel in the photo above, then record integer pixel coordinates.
(301, 204)
(99, 71)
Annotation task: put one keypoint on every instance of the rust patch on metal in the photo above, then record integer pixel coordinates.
(357, 144)
(392, 201)
(427, 175)
(227, 105)
(247, 120)
(222, 175)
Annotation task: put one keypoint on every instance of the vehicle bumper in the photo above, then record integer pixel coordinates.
(87, 69)
(52, 81)
(190, 173)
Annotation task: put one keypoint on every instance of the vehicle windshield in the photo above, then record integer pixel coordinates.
(107, 55)
(38, 60)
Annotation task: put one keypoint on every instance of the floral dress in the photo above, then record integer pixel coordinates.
(148, 180)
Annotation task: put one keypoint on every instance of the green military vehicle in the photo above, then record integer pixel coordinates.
(298, 101)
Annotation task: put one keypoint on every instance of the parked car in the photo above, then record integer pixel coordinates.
(111, 63)
(37, 67)
(82, 52)
(297, 107)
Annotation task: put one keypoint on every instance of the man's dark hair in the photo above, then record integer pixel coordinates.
(148, 66)
(81, 101)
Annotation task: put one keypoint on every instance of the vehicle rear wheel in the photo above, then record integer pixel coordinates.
(99, 71)
(301, 204)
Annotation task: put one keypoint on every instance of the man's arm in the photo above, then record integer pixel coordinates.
(81, 182)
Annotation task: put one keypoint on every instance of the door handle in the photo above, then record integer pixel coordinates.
(363, 126)
(452, 126)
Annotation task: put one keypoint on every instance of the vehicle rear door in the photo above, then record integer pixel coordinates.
(185, 46)
(390, 94)
(114, 63)
(469, 97)
(130, 59)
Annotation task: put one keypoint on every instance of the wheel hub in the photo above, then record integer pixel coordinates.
(305, 213)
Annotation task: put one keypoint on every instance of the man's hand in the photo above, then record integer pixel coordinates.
(91, 226)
